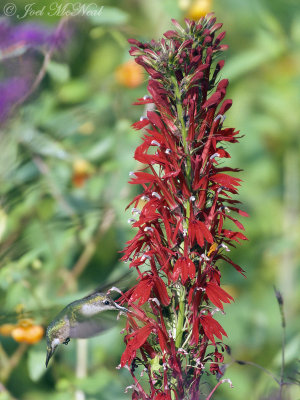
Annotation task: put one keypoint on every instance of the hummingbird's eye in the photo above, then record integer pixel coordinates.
(106, 302)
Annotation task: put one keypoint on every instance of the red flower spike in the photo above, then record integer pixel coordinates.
(180, 216)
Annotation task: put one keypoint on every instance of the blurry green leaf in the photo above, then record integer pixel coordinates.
(94, 383)
(63, 384)
(36, 361)
(110, 16)
(59, 72)
(5, 396)
(295, 29)
(155, 365)
(100, 149)
(245, 62)
(74, 92)
(3, 221)
(41, 143)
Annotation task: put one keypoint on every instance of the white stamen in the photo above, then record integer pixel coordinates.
(135, 210)
(129, 388)
(168, 151)
(145, 198)
(192, 198)
(131, 220)
(114, 289)
(184, 232)
(155, 194)
(148, 229)
(155, 300)
(225, 246)
(155, 143)
(146, 97)
(228, 381)
(214, 156)
(181, 350)
(143, 117)
(199, 363)
(145, 257)
(215, 310)
(220, 117)
(131, 173)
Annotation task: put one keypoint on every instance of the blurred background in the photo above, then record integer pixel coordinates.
(65, 158)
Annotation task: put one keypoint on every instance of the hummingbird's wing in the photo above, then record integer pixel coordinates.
(85, 327)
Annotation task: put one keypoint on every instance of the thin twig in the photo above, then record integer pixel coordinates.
(283, 334)
(260, 367)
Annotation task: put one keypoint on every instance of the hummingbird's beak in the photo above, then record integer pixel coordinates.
(121, 308)
(49, 355)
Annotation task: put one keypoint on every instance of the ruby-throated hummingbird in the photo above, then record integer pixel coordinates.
(79, 319)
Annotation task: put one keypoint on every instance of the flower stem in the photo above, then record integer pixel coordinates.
(180, 319)
(181, 120)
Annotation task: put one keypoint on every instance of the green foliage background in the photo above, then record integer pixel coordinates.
(48, 226)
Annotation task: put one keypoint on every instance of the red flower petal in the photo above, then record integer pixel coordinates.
(137, 339)
(216, 294)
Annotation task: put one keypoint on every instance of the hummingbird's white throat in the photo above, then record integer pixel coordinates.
(55, 342)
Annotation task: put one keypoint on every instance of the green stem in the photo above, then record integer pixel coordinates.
(181, 120)
(180, 318)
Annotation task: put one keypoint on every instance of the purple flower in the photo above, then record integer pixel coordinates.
(16, 40)
(28, 36)
(10, 92)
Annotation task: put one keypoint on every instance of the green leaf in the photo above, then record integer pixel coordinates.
(36, 364)
(59, 72)
(74, 92)
(155, 365)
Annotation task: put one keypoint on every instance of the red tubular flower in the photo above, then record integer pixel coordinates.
(182, 231)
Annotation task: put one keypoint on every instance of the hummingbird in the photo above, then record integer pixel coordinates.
(79, 319)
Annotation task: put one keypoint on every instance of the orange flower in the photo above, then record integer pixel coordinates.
(82, 170)
(6, 329)
(199, 8)
(212, 248)
(129, 74)
(29, 334)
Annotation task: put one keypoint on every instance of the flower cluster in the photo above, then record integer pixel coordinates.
(180, 214)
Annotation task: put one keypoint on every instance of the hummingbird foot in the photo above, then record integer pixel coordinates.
(66, 341)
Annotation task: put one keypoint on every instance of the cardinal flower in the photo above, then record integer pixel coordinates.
(181, 213)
